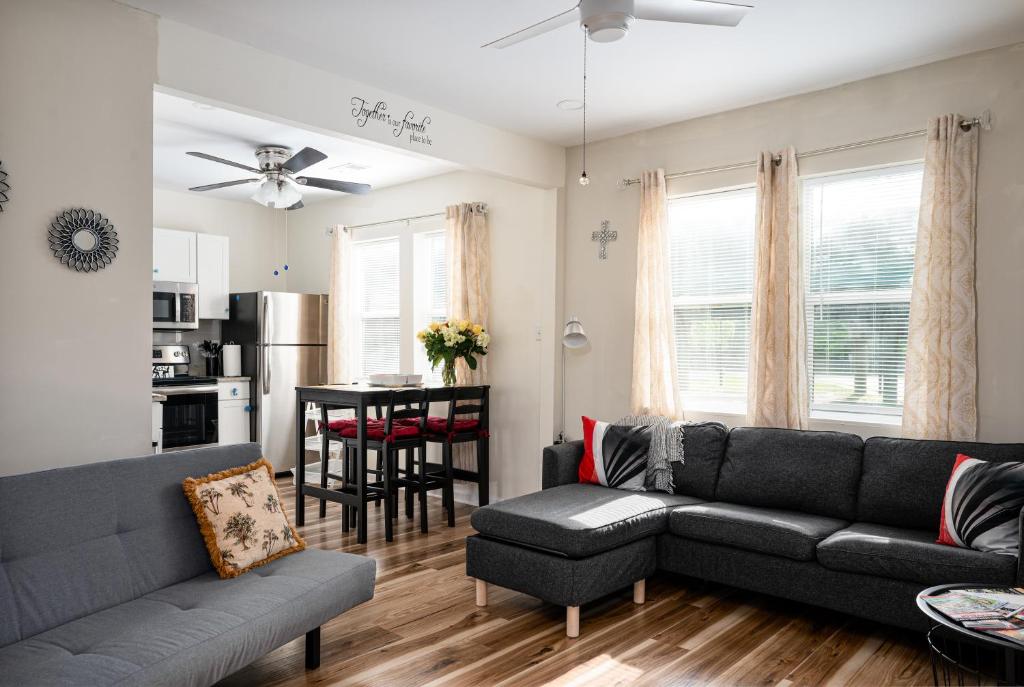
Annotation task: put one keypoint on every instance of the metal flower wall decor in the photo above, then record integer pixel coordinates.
(4, 187)
(83, 240)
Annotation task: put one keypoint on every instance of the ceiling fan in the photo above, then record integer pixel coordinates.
(609, 20)
(277, 170)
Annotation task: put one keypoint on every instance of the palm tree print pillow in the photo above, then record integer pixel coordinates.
(241, 518)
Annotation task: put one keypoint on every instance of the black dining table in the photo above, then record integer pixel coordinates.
(360, 398)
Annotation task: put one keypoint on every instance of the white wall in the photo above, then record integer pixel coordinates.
(76, 107)
(256, 234)
(523, 235)
(201, 64)
(601, 292)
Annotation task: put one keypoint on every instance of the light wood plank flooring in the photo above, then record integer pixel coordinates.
(423, 628)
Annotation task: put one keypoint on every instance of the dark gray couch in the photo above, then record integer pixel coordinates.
(818, 517)
(105, 580)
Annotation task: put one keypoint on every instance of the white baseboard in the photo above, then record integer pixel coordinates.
(465, 492)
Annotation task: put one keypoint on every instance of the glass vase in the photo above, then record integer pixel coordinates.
(448, 373)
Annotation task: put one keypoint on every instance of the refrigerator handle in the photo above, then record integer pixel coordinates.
(265, 340)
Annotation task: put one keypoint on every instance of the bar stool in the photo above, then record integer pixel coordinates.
(400, 427)
(457, 428)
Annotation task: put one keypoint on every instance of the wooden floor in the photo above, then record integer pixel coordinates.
(423, 628)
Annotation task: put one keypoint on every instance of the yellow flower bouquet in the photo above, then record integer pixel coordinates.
(446, 342)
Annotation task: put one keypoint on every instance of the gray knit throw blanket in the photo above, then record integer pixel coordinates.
(666, 448)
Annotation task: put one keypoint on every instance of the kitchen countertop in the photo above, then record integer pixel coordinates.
(158, 398)
(233, 379)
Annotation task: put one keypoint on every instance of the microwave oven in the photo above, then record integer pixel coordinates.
(175, 305)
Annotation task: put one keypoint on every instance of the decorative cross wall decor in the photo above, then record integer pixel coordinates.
(604, 237)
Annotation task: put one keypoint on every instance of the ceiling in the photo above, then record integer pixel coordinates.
(660, 73)
(181, 125)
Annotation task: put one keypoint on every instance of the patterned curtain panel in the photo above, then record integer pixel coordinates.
(655, 385)
(468, 248)
(777, 383)
(339, 311)
(940, 400)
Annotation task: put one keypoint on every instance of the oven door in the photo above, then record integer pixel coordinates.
(190, 418)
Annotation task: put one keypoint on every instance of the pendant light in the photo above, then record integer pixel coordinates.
(584, 179)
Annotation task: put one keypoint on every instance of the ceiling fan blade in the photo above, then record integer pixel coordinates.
(306, 157)
(298, 206)
(223, 184)
(214, 158)
(566, 17)
(708, 12)
(343, 186)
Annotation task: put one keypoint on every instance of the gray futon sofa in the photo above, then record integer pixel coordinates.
(105, 580)
(823, 518)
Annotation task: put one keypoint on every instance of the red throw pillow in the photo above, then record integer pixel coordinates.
(982, 504)
(614, 455)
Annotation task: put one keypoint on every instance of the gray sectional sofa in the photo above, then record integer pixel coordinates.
(823, 518)
(105, 580)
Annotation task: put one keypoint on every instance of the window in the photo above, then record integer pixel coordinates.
(712, 265)
(400, 284)
(859, 231)
(378, 284)
(431, 297)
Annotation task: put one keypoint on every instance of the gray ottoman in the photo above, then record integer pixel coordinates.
(569, 545)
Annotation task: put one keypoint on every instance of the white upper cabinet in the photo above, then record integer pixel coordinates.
(212, 259)
(174, 256)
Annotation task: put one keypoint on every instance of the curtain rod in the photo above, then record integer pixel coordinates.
(482, 207)
(984, 120)
(330, 230)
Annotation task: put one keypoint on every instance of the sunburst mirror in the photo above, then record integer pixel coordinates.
(84, 240)
(4, 187)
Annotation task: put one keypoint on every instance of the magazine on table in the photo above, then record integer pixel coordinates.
(995, 611)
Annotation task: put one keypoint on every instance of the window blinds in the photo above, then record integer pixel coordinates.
(712, 268)
(377, 277)
(859, 231)
(431, 293)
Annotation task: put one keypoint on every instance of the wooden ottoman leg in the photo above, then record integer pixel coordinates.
(481, 593)
(572, 621)
(639, 589)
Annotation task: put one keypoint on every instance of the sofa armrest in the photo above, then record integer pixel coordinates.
(561, 464)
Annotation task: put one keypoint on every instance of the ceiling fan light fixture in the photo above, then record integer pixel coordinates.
(609, 27)
(287, 194)
(265, 193)
(277, 193)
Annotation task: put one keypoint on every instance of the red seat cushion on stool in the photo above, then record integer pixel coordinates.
(338, 425)
(375, 430)
(439, 425)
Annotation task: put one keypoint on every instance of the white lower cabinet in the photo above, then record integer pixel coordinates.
(233, 412)
(233, 422)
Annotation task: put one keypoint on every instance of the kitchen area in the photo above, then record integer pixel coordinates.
(225, 365)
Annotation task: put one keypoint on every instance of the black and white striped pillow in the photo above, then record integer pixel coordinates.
(615, 455)
(982, 505)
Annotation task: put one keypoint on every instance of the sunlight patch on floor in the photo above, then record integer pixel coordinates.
(600, 670)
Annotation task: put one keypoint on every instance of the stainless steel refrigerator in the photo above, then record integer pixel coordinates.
(284, 344)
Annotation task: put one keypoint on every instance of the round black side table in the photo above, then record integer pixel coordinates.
(956, 650)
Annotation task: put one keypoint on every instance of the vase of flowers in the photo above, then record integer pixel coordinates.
(446, 342)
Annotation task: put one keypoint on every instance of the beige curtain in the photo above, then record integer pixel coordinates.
(777, 393)
(655, 387)
(940, 399)
(468, 248)
(339, 311)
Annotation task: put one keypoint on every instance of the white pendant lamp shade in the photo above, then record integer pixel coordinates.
(277, 194)
(574, 336)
